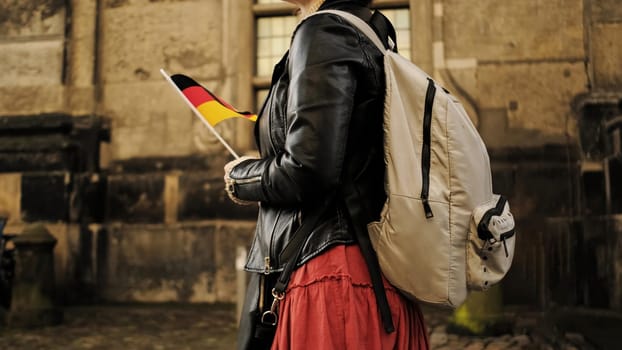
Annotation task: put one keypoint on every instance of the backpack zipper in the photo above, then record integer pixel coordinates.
(482, 227)
(426, 151)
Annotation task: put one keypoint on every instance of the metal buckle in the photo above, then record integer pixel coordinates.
(270, 317)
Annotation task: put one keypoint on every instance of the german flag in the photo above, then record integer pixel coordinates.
(213, 109)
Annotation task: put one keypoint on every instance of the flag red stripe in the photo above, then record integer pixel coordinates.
(197, 95)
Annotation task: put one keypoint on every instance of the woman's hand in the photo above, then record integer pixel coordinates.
(230, 183)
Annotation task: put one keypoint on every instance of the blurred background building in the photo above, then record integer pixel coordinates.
(95, 144)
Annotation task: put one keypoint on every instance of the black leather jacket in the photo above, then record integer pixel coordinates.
(321, 125)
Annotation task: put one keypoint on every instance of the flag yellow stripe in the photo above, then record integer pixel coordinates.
(214, 112)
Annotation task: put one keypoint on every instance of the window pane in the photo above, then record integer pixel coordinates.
(273, 38)
(401, 21)
(274, 35)
(264, 29)
(265, 65)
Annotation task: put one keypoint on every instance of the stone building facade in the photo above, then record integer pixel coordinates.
(94, 143)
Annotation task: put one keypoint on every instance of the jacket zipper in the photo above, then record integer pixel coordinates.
(246, 180)
(426, 151)
(266, 269)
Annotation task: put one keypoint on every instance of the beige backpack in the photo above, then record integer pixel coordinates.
(442, 231)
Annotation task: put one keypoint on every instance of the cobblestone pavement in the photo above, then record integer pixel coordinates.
(528, 331)
(213, 328)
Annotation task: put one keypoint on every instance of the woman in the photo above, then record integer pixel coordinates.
(319, 179)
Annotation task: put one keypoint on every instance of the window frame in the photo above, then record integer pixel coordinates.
(286, 9)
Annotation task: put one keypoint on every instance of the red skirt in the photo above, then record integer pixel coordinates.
(330, 304)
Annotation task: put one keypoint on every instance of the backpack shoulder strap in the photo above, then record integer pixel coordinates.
(385, 30)
(352, 203)
(362, 26)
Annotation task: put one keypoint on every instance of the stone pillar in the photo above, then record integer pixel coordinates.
(422, 17)
(237, 39)
(33, 300)
(82, 57)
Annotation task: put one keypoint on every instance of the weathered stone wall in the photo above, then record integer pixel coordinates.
(103, 57)
(195, 37)
(165, 177)
(32, 37)
(173, 263)
(140, 37)
(171, 233)
(118, 227)
(146, 250)
(520, 63)
(605, 31)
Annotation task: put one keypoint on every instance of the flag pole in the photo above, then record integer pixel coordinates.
(196, 112)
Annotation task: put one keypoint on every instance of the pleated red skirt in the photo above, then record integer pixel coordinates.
(330, 304)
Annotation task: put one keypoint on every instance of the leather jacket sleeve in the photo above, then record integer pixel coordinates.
(325, 56)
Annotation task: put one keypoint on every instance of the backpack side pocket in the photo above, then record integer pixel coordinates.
(491, 241)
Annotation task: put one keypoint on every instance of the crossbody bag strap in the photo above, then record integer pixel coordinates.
(291, 254)
(293, 249)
